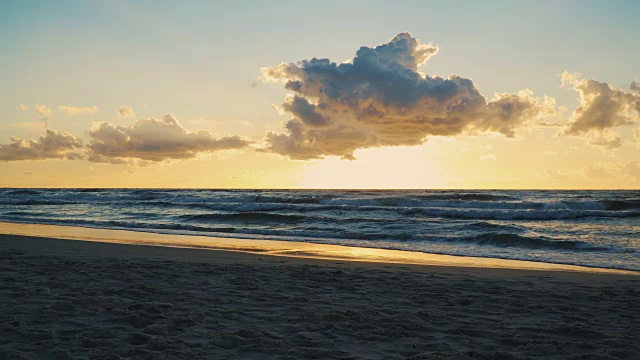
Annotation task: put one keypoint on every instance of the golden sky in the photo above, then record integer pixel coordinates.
(123, 95)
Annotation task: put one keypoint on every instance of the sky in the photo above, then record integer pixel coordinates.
(332, 94)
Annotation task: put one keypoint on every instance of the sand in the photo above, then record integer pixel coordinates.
(63, 299)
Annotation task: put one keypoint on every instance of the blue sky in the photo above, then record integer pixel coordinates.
(146, 45)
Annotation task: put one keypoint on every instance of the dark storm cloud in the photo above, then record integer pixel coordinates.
(380, 99)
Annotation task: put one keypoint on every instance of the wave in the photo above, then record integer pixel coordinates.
(129, 225)
(389, 204)
(245, 217)
(22, 214)
(290, 200)
(155, 203)
(621, 205)
(489, 226)
(515, 240)
(34, 202)
(386, 204)
(469, 197)
(487, 214)
(319, 201)
(23, 192)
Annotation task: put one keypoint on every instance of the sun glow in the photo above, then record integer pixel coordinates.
(381, 168)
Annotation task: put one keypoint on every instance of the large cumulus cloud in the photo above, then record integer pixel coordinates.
(602, 107)
(53, 144)
(154, 140)
(381, 99)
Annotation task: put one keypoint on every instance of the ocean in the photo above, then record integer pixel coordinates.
(589, 228)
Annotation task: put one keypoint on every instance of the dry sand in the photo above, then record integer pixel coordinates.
(64, 299)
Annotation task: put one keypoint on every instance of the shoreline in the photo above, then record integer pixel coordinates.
(320, 189)
(283, 248)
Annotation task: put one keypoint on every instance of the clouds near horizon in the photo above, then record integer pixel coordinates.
(601, 108)
(155, 140)
(145, 141)
(381, 99)
(632, 169)
(53, 144)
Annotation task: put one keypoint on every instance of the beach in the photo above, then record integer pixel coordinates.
(319, 180)
(66, 299)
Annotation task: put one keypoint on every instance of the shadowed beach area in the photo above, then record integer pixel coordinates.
(65, 299)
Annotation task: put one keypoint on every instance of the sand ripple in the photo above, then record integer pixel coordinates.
(100, 305)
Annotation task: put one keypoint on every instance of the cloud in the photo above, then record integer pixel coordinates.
(632, 169)
(488, 157)
(154, 140)
(556, 175)
(548, 124)
(636, 135)
(76, 110)
(601, 106)
(126, 111)
(604, 171)
(246, 123)
(597, 171)
(45, 113)
(606, 142)
(381, 99)
(22, 107)
(52, 145)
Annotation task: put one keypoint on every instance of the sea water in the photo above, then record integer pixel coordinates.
(590, 228)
